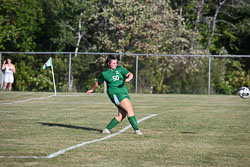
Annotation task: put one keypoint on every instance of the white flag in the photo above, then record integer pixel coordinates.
(48, 63)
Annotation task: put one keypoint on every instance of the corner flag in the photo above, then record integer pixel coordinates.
(48, 63)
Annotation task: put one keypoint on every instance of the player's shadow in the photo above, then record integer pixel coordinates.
(190, 133)
(70, 126)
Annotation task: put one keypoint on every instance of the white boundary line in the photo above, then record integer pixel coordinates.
(40, 98)
(62, 151)
(22, 101)
(22, 157)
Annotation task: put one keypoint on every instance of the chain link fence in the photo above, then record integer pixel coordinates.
(187, 74)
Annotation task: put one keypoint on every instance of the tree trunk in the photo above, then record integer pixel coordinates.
(79, 37)
(71, 84)
(218, 7)
(79, 34)
(199, 7)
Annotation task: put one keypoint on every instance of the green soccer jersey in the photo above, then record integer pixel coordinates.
(114, 79)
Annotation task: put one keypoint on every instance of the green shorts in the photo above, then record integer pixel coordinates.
(117, 98)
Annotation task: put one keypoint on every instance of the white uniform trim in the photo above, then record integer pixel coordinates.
(116, 100)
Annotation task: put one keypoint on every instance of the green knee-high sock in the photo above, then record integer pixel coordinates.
(133, 122)
(112, 124)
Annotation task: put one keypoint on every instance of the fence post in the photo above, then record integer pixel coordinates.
(69, 83)
(209, 74)
(105, 87)
(136, 74)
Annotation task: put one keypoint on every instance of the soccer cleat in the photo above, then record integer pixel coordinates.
(106, 131)
(138, 132)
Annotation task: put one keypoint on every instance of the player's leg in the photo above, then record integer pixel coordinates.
(10, 86)
(127, 106)
(116, 120)
(121, 114)
(4, 85)
(124, 108)
(6, 81)
(11, 80)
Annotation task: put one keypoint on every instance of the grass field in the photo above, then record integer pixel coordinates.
(189, 130)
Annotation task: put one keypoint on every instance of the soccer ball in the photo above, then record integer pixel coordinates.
(244, 92)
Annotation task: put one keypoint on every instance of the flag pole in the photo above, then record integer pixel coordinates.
(53, 77)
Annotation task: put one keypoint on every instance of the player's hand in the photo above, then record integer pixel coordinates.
(127, 80)
(129, 77)
(89, 92)
(4, 61)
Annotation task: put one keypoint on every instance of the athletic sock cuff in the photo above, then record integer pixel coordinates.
(112, 124)
(133, 122)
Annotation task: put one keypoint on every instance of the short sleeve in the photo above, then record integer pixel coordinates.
(100, 79)
(124, 71)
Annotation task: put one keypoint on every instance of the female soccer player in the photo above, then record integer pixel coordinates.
(115, 77)
(9, 71)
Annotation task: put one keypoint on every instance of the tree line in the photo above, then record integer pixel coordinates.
(182, 27)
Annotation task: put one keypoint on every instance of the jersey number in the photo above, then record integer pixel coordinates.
(115, 78)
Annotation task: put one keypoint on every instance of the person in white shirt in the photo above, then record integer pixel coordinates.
(9, 73)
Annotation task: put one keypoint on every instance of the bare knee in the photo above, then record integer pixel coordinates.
(121, 115)
(118, 118)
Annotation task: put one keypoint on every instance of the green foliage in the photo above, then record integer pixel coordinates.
(187, 75)
(83, 71)
(140, 28)
(148, 27)
(231, 36)
(153, 27)
(235, 77)
(30, 79)
(20, 24)
(60, 64)
(73, 18)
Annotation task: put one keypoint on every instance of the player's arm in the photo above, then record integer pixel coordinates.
(129, 77)
(14, 68)
(96, 85)
(4, 65)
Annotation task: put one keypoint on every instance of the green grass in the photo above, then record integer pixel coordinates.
(189, 130)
